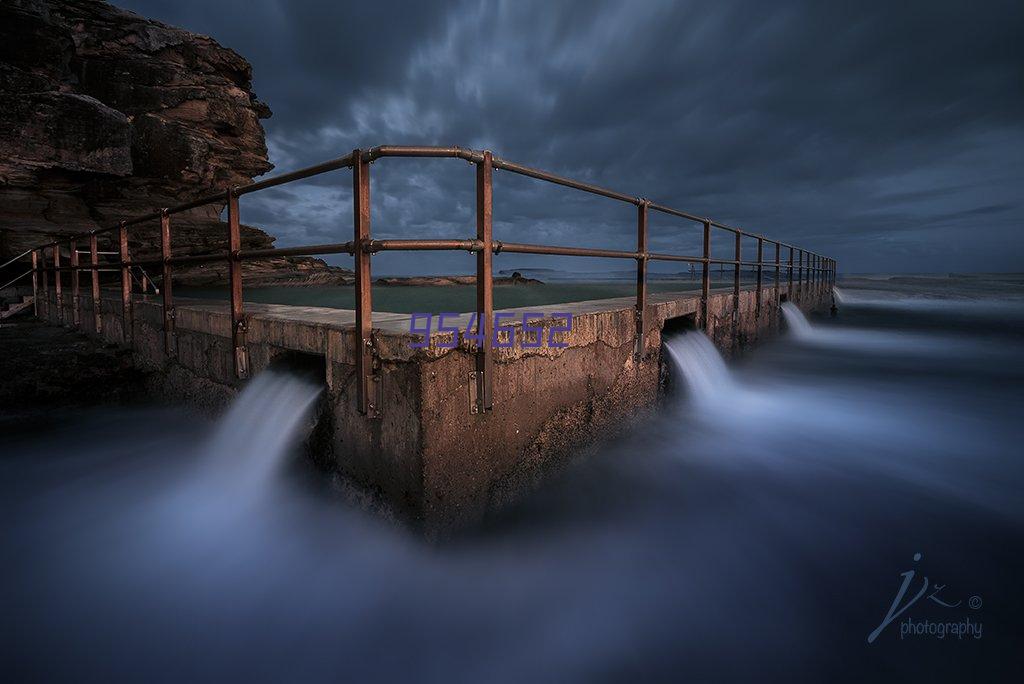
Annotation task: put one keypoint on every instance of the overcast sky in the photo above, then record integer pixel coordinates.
(888, 134)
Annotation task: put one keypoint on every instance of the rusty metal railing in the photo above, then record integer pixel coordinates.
(808, 270)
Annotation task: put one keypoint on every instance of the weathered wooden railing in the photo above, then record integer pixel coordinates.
(808, 269)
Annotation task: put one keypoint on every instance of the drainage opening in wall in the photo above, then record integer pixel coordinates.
(312, 369)
(668, 385)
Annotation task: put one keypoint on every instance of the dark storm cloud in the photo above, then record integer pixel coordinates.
(868, 131)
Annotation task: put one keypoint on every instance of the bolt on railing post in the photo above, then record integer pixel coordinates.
(94, 260)
(736, 279)
(168, 299)
(238, 328)
(364, 303)
(641, 276)
(705, 278)
(76, 319)
(485, 283)
(126, 284)
(58, 293)
(760, 258)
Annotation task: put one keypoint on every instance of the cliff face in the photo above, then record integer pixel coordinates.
(105, 115)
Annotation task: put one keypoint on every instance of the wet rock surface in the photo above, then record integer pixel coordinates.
(46, 367)
(106, 115)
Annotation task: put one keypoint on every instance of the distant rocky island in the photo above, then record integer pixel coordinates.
(515, 279)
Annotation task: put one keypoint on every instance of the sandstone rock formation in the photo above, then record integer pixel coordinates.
(105, 115)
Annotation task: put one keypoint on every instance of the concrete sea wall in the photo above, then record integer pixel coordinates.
(428, 456)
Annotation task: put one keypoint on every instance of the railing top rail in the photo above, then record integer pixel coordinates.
(11, 261)
(372, 154)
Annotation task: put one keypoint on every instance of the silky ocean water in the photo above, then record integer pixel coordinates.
(758, 529)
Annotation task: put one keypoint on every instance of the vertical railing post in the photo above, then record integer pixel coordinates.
(810, 274)
(35, 283)
(705, 278)
(736, 279)
(364, 303)
(126, 283)
(76, 319)
(814, 275)
(778, 274)
(46, 283)
(789, 290)
(58, 294)
(641, 276)
(94, 261)
(800, 277)
(815, 281)
(760, 258)
(238, 327)
(168, 299)
(484, 284)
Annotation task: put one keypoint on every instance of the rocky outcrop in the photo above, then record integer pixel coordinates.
(105, 115)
